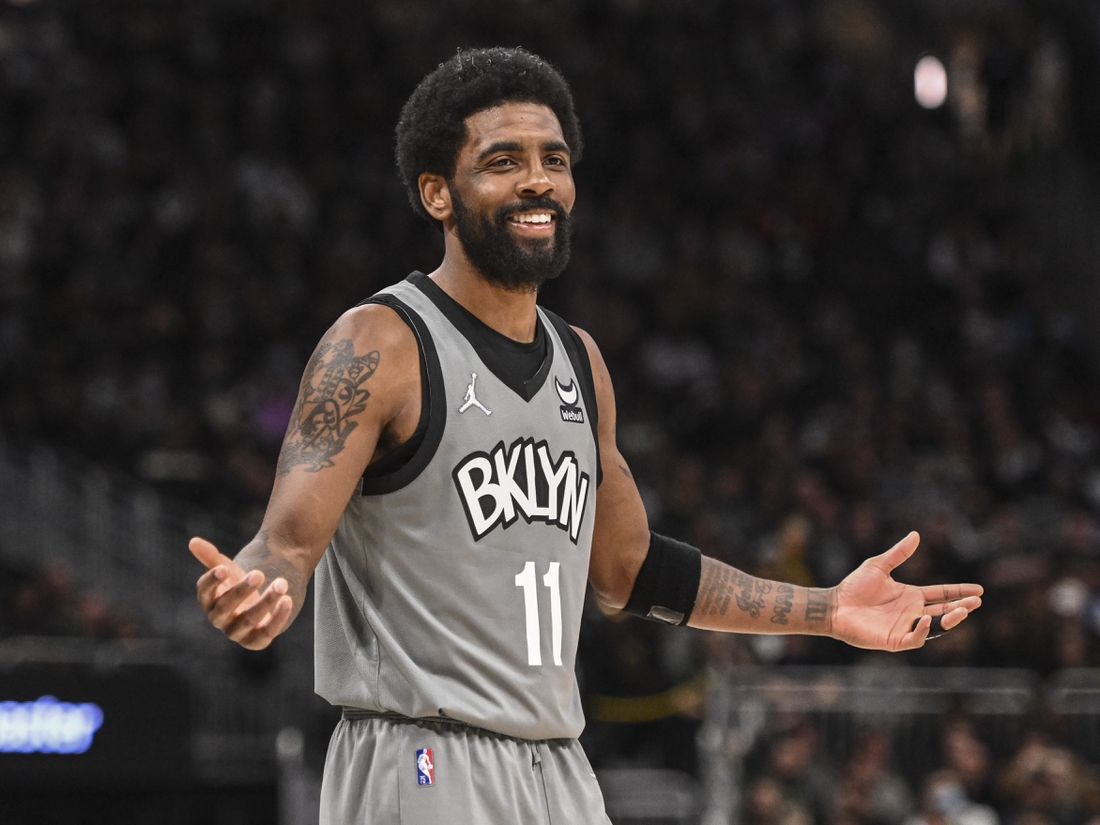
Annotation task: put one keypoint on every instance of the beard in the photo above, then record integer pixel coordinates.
(502, 259)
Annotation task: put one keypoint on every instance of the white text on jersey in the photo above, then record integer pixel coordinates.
(522, 480)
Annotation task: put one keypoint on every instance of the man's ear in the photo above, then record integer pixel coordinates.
(435, 194)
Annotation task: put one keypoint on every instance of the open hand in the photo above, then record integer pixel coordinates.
(233, 601)
(874, 611)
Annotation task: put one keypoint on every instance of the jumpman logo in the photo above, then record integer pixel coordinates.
(471, 399)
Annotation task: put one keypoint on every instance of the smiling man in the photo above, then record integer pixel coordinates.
(450, 471)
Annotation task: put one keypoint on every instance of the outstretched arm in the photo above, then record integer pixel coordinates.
(360, 389)
(868, 609)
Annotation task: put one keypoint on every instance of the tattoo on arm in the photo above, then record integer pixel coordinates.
(725, 585)
(784, 604)
(626, 471)
(753, 591)
(262, 557)
(332, 394)
(817, 605)
(755, 599)
(258, 555)
(715, 591)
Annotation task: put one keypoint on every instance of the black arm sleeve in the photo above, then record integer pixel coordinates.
(668, 582)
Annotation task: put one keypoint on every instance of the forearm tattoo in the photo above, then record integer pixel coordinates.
(258, 555)
(723, 586)
(817, 605)
(784, 604)
(753, 591)
(715, 591)
(332, 394)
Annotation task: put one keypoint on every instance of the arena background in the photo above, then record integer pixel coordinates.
(833, 313)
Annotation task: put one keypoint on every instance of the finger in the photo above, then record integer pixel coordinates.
(933, 593)
(918, 635)
(935, 625)
(206, 552)
(954, 618)
(251, 614)
(225, 606)
(897, 554)
(970, 604)
(211, 585)
(939, 623)
(271, 626)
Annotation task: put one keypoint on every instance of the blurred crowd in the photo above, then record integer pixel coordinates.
(46, 601)
(1039, 783)
(821, 304)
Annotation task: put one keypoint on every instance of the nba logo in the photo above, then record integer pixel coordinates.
(425, 767)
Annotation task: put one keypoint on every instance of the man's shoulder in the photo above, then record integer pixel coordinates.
(370, 345)
(563, 323)
(375, 326)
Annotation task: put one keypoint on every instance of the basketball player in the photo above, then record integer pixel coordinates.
(450, 471)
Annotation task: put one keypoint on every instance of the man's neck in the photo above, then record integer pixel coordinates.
(509, 313)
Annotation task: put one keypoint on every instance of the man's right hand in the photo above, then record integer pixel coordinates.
(233, 601)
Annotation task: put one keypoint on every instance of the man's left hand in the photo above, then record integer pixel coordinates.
(873, 611)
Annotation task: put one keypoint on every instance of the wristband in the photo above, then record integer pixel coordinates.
(666, 586)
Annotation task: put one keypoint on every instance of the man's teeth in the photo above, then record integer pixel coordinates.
(539, 218)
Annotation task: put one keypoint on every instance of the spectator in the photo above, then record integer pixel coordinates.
(944, 802)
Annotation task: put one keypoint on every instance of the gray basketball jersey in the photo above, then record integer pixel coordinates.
(454, 586)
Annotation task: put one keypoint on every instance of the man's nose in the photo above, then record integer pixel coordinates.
(536, 182)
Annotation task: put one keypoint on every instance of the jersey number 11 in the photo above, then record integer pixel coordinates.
(526, 579)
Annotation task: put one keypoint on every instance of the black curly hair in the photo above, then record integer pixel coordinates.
(432, 127)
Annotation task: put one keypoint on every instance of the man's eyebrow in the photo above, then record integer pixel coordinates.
(516, 146)
(500, 146)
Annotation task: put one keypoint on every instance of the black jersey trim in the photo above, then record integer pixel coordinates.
(582, 366)
(454, 312)
(383, 478)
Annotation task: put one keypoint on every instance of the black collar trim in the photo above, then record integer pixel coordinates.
(467, 324)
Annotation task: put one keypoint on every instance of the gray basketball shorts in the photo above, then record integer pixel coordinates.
(381, 771)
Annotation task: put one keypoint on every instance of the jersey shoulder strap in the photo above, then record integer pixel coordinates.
(410, 459)
(582, 366)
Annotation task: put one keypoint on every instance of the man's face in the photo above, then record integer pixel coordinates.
(511, 195)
